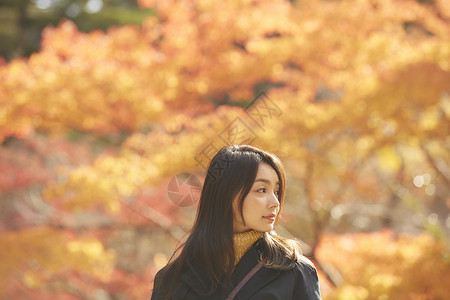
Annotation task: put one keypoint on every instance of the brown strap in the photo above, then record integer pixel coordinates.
(244, 281)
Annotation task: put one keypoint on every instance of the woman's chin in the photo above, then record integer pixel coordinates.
(265, 228)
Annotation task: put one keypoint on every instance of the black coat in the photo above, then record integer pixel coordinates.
(300, 283)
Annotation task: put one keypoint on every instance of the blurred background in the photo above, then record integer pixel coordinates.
(110, 111)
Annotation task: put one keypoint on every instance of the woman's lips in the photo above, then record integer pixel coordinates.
(270, 217)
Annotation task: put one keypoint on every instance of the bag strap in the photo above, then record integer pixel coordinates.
(244, 280)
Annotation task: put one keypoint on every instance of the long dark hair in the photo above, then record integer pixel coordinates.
(209, 245)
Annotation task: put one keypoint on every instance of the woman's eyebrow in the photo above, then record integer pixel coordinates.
(266, 181)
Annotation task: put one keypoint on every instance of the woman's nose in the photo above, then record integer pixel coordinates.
(273, 201)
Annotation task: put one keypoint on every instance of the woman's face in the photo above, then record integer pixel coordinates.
(261, 205)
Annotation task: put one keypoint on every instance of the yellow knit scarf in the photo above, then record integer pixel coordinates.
(243, 242)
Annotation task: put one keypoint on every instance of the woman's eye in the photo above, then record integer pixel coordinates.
(262, 190)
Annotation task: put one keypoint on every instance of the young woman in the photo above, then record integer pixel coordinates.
(232, 251)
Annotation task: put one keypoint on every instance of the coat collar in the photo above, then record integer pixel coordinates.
(263, 277)
(197, 281)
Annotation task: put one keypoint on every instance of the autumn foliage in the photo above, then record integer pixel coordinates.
(354, 96)
(386, 266)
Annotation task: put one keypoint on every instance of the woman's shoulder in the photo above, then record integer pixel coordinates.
(158, 276)
(304, 262)
(306, 278)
